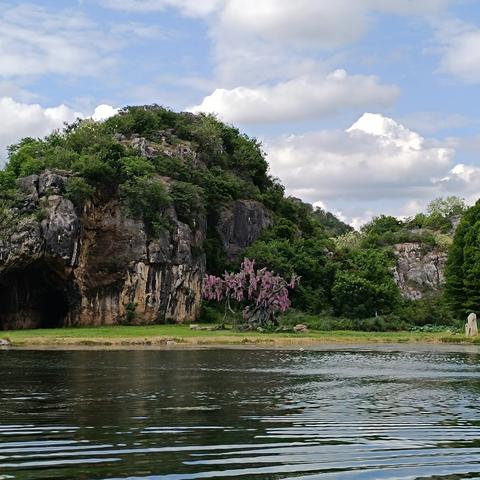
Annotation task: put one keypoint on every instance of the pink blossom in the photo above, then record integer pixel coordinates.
(262, 293)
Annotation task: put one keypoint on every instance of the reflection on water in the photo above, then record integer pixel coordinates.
(181, 415)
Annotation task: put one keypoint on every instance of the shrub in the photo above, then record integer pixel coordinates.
(78, 190)
(147, 198)
(431, 309)
(189, 202)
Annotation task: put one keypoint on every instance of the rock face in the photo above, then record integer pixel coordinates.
(63, 267)
(418, 271)
(240, 224)
(94, 267)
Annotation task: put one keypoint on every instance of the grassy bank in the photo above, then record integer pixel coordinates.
(170, 335)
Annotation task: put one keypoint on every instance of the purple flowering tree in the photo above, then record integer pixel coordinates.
(262, 293)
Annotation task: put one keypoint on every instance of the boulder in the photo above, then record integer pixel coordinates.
(300, 328)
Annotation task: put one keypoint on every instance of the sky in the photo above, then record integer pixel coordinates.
(363, 107)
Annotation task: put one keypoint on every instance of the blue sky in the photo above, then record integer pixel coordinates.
(298, 75)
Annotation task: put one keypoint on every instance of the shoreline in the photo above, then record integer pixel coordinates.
(413, 347)
(161, 337)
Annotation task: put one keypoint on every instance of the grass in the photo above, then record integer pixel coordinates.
(182, 334)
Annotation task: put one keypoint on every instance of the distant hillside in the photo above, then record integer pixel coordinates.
(332, 225)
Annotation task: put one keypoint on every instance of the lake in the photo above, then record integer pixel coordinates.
(363, 413)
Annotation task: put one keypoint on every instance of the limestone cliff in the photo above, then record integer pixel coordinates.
(96, 266)
(419, 270)
(241, 223)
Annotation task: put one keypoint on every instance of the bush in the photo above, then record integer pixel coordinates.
(381, 323)
(211, 313)
(306, 257)
(430, 310)
(189, 202)
(147, 198)
(78, 190)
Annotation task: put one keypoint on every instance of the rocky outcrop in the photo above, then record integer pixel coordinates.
(60, 266)
(240, 224)
(419, 270)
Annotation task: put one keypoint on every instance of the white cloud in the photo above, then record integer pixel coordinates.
(32, 120)
(464, 180)
(375, 166)
(298, 99)
(461, 51)
(38, 41)
(313, 23)
(193, 8)
(102, 112)
(259, 40)
(432, 122)
(306, 23)
(375, 158)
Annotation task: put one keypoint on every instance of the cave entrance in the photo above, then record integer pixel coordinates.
(33, 298)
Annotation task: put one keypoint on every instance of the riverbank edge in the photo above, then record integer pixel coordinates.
(180, 336)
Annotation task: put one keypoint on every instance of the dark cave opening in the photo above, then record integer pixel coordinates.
(33, 298)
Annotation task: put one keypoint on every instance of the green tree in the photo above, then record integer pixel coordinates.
(447, 207)
(364, 285)
(462, 275)
(307, 257)
(333, 226)
(78, 190)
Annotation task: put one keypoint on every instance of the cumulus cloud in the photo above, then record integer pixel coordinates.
(375, 158)
(303, 22)
(259, 40)
(32, 120)
(376, 165)
(267, 33)
(298, 99)
(464, 180)
(102, 112)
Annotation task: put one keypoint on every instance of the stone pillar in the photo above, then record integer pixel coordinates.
(471, 329)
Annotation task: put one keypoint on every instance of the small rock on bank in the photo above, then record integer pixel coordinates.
(300, 328)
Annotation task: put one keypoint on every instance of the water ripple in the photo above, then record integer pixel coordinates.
(191, 415)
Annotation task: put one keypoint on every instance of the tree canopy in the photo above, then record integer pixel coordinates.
(462, 288)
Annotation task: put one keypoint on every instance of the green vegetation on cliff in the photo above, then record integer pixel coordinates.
(150, 157)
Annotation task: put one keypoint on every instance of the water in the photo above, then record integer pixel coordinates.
(239, 414)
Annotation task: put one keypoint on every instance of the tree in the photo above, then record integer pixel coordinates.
(311, 258)
(262, 293)
(333, 226)
(447, 207)
(462, 275)
(364, 285)
(382, 224)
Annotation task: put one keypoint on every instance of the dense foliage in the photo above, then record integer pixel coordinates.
(463, 267)
(219, 163)
(333, 226)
